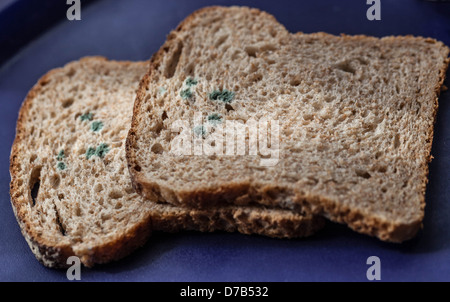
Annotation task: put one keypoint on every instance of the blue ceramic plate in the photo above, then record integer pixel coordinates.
(37, 37)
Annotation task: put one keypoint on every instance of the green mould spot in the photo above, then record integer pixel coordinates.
(199, 131)
(86, 117)
(90, 152)
(61, 155)
(225, 96)
(61, 166)
(186, 94)
(96, 126)
(191, 82)
(162, 90)
(215, 119)
(102, 150)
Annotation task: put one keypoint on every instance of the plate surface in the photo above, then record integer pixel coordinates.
(134, 30)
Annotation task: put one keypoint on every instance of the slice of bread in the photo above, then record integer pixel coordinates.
(70, 187)
(355, 117)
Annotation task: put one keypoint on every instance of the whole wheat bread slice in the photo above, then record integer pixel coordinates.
(355, 115)
(70, 188)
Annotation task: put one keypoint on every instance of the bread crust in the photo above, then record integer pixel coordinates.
(227, 193)
(245, 220)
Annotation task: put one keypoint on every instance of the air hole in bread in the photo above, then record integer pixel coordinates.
(229, 108)
(71, 72)
(273, 32)
(164, 116)
(378, 154)
(115, 195)
(215, 29)
(190, 69)
(54, 181)
(397, 141)
(158, 128)
(268, 47)
(328, 98)
(35, 192)
(308, 117)
(317, 106)
(221, 40)
(35, 182)
(295, 81)
(59, 223)
(67, 102)
(98, 188)
(363, 174)
(45, 81)
(345, 67)
(78, 211)
(77, 115)
(74, 89)
(235, 55)
(105, 216)
(172, 62)
(255, 78)
(129, 190)
(251, 51)
(272, 193)
(137, 168)
(382, 169)
(157, 148)
(418, 108)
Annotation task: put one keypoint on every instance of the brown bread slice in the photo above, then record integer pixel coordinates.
(70, 188)
(356, 117)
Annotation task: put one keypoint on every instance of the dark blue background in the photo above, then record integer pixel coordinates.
(34, 39)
